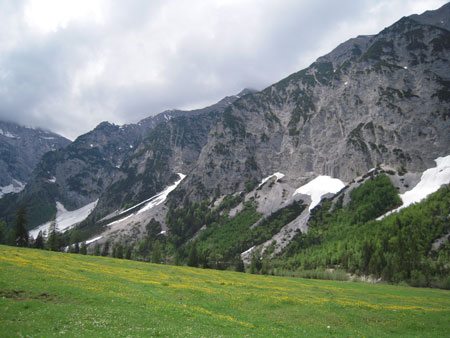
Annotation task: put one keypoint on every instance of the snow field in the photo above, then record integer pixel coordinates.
(318, 187)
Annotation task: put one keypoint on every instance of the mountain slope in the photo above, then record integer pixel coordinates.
(377, 101)
(77, 175)
(21, 148)
(374, 99)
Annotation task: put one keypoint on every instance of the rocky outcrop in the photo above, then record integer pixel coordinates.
(21, 148)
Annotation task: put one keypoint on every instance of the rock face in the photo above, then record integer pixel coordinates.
(382, 99)
(21, 149)
(79, 173)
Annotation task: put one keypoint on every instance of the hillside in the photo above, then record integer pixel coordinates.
(77, 175)
(300, 176)
(21, 148)
(52, 294)
(374, 102)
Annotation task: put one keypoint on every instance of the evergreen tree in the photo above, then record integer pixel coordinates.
(255, 264)
(119, 251)
(156, 253)
(105, 251)
(97, 249)
(128, 252)
(20, 232)
(53, 241)
(39, 242)
(239, 266)
(193, 256)
(3, 232)
(177, 259)
(83, 248)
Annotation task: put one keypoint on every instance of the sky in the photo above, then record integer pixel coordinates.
(68, 65)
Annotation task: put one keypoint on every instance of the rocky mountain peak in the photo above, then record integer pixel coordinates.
(439, 17)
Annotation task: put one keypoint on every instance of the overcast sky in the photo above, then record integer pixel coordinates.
(68, 65)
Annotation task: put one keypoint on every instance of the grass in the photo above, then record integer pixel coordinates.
(45, 294)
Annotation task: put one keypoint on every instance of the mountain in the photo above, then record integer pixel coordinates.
(21, 148)
(378, 101)
(79, 173)
(276, 174)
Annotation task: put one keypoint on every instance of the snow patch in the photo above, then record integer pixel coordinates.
(14, 187)
(248, 251)
(151, 202)
(131, 147)
(405, 67)
(48, 138)
(66, 219)
(8, 134)
(432, 179)
(318, 187)
(278, 175)
(52, 180)
(346, 83)
(119, 220)
(93, 240)
(161, 197)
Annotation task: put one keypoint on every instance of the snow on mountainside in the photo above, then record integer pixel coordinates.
(21, 148)
(140, 213)
(15, 187)
(65, 219)
(319, 187)
(431, 180)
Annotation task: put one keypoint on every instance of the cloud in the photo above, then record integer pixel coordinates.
(68, 65)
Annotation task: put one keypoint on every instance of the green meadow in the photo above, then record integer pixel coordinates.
(46, 294)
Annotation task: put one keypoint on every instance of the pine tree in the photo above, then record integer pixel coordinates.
(105, 251)
(239, 267)
(156, 253)
(83, 248)
(97, 249)
(193, 256)
(120, 251)
(39, 242)
(53, 242)
(20, 232)
(3, 232)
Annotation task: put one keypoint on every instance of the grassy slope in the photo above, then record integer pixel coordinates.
(50, 294)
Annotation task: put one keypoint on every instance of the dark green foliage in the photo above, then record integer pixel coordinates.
(324, 71)
(193, 256)
(356, 139)
(234, 123)
(54, 237)
(221, 149)
(83, 249)
(250, 164)
(97, 249)
(379, 49)
(250, 185)
(303, 110)
(184, 222)
(105, 250)
(156, 253)
(442, 42)
(230, 202)
(232, 236)
(443, 94)
(239, 264)
(256, 262)
(20, 231)
(398, 248)
(3, 232)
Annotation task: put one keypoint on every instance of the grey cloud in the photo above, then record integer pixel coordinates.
(148, 56)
